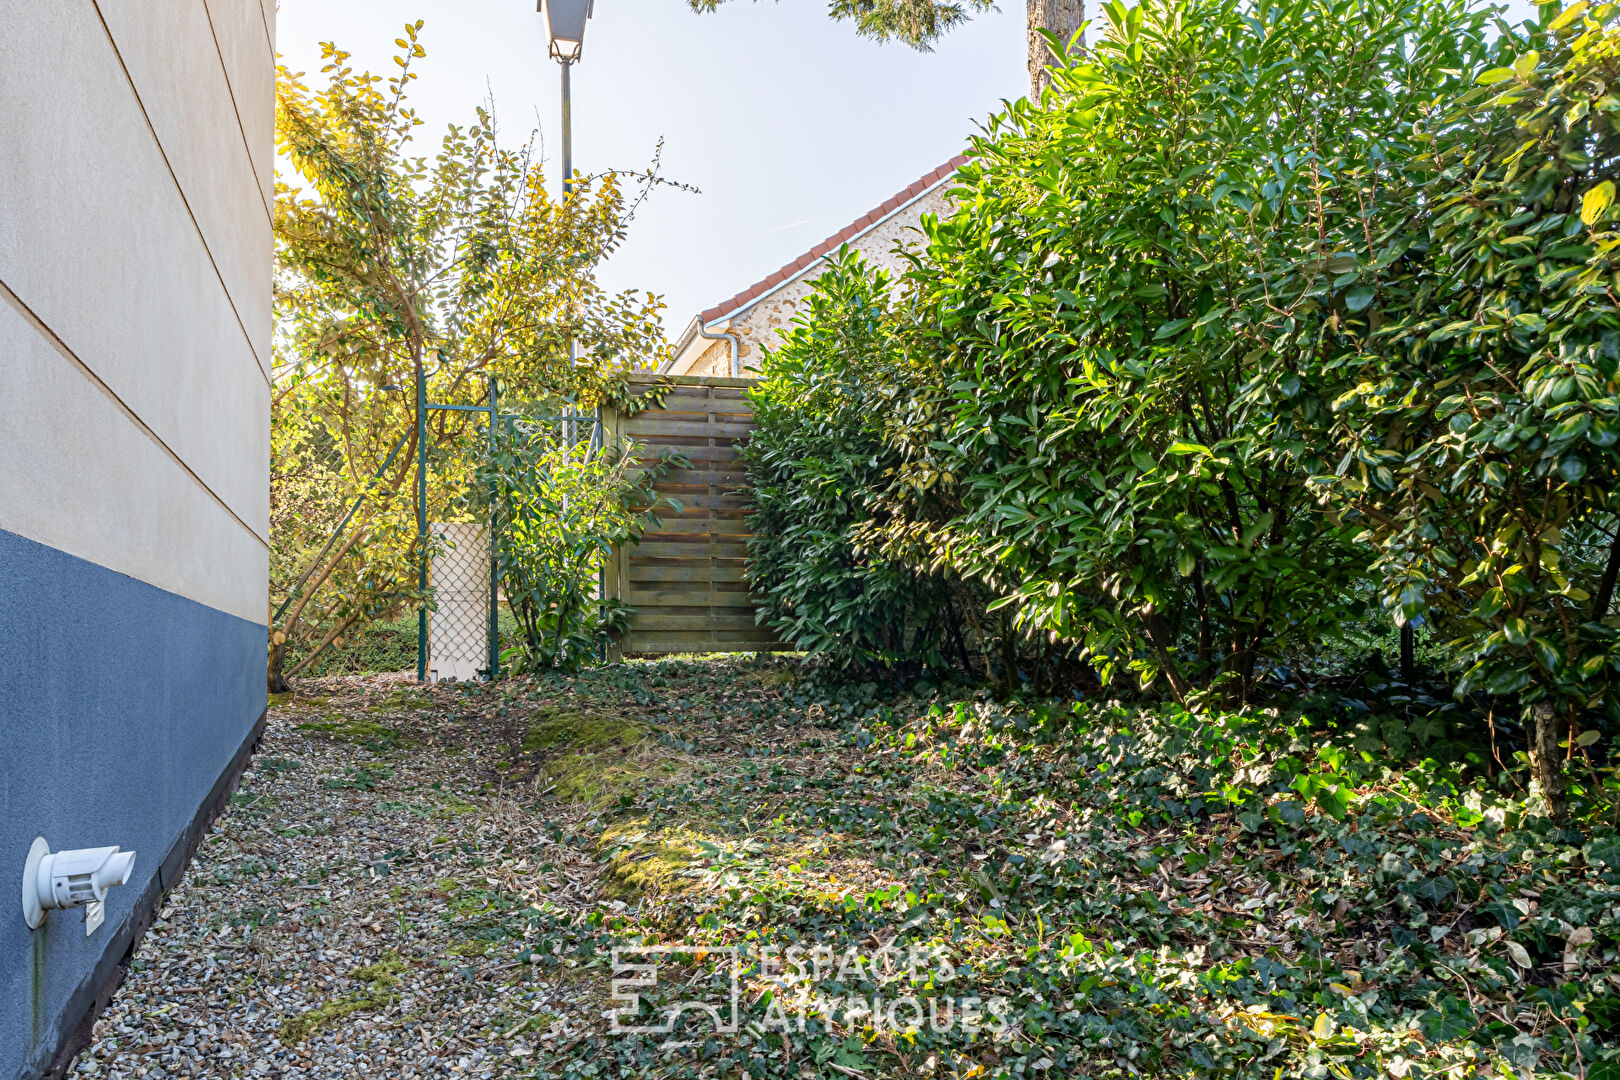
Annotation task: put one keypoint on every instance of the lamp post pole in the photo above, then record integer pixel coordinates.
(567, 187)
(567, 131)
(565, 40)
(565, 57)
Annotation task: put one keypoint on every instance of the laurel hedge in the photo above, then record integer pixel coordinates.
(1263, 314)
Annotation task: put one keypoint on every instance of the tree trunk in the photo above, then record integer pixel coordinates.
(1206, 632)
(1061, 17)
(1546, 727)
(953, 624)
(1605, 594)
(278, 658)
(1408, 653)
(1009, 653)
(1160, 637)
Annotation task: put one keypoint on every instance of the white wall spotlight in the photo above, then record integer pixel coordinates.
(69, 879)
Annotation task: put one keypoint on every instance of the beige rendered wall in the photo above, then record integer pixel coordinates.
(136, 173)
(136, 181)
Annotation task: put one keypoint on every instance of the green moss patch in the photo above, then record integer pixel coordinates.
(595, 760)
(252, 800)
(601, 780)
(450, 806)
(557, 728)
(378, 983)
(772, 678)
(401, 701)
(645, 861)
(539, 1022)
(367, 733)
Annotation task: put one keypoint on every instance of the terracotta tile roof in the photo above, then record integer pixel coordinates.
(832, 243)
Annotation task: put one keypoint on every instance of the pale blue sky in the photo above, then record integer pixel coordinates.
(790, 124)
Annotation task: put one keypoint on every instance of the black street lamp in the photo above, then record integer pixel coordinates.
(565, 40)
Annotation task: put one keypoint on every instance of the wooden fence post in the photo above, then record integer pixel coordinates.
(613, 568)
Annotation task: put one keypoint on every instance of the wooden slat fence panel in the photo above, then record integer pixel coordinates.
(685, 579)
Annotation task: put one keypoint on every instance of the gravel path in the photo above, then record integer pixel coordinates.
(432, 884)
(361, 910)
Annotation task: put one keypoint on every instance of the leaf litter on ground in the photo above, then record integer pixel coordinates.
(432, 881)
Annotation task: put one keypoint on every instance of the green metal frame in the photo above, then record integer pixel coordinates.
(492, 410)
(494, 541)
(423, 406)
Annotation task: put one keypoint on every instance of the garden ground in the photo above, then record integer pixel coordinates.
(427, 882)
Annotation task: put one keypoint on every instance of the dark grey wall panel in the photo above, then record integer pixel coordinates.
(121, 707)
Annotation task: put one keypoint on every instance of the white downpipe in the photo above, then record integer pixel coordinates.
(736, 348)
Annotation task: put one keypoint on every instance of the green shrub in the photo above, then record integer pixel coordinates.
(1474, 339)
(561, 508)
(388, 645)
(1265, 325)
(818, 465)
(1132, 464)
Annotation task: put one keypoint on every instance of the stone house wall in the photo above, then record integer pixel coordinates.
(761, 325)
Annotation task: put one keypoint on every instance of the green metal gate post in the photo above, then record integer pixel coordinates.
(599, 445)
(494, 541)
(421, 524)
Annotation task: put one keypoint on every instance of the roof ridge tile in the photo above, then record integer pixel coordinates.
(861, 224)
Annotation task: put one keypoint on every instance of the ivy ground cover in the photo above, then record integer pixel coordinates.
(729, 868)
